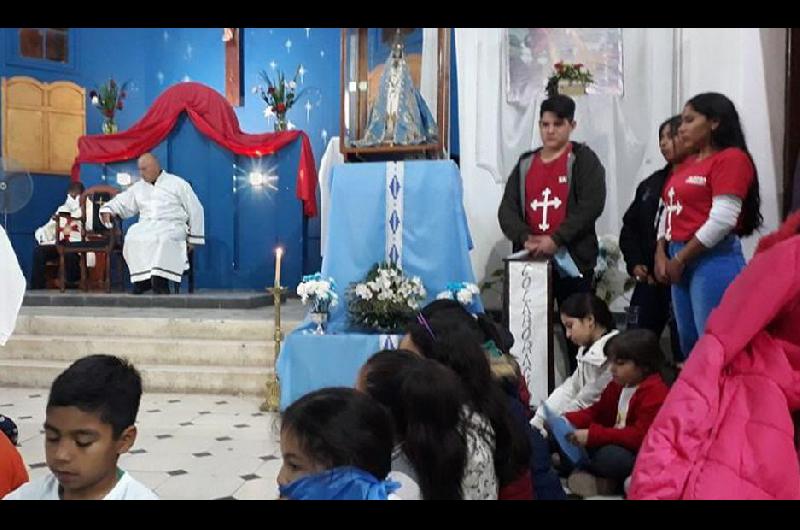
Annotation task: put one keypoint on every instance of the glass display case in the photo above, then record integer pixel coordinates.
(395, 99)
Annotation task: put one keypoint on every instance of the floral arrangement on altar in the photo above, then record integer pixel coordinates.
(612, 281)
(386, 299)
(463, 292)
(568, 79)
(108, 100)
(319, 292)
(279, 95)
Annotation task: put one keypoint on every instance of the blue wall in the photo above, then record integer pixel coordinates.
(242, 228)
(156, 58)
(92, 64)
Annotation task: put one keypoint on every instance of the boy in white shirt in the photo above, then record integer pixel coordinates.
(89, 422)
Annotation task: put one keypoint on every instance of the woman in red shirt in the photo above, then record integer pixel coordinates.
(710, 200)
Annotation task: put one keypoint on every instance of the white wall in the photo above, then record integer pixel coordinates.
(749, 66)
(663, 68)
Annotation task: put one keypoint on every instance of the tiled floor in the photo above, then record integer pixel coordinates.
(188, 446)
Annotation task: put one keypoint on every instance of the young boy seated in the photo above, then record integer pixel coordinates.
(89, 422)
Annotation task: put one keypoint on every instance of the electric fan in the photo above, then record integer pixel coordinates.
(16, 188)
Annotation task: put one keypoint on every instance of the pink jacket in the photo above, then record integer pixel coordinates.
(725, 430)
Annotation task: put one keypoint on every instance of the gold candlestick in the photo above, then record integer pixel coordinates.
(273, 386)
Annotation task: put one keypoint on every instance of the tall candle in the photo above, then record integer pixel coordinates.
(278, 256)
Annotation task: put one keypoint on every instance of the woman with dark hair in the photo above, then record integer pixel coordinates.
(497, 342)
(651, 304)
(710, 200)
(427, 403)
(496, 442)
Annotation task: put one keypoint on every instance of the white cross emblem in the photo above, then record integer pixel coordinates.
(556, 202)
(673, 206)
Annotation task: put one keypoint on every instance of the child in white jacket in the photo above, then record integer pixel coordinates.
(589, 324)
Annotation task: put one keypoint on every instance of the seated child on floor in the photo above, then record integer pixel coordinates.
(13, 472)
(336, 444)
(612, 430)
(589, 324)
(89, 423)
(428, 405)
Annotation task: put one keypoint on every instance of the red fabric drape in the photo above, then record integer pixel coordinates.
(214, 117)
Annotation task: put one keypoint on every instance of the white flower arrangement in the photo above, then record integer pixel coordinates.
(386, 298)
(319, 292)
(611, 280)
(463, 292)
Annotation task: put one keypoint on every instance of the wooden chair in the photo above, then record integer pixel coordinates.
(190, 273)
(99, 239)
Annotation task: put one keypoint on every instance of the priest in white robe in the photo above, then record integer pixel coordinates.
(170, 218)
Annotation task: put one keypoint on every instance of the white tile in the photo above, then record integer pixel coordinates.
(245, 447)
(33, 451)
(269, 470)
(179, 444)
(257, 489)
(199, 486)
(158, 462)
(151, 479)
(231, 465)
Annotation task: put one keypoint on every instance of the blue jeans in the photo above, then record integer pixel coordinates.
(702, 285)
(607, 461)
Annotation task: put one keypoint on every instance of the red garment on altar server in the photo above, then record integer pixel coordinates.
(691, 189)
(546, 193)
(214, 117)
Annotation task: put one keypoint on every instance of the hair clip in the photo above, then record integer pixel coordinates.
(423, 322)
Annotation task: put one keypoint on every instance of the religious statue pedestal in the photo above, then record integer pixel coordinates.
(411, 210)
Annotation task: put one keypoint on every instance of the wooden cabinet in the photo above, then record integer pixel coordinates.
(42, 123)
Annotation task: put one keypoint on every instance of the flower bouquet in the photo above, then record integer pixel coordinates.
(463, 292)
(612, 281)
(386, 299)
(108, 100)
(569, 79)
(320, 294)
(279, 95)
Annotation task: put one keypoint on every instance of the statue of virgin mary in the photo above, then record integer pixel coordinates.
(400, 115)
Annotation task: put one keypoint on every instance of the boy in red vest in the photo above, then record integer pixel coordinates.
(553, 198)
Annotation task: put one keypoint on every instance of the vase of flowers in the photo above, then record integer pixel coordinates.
(385, 299)
(280, 95)
(611, 281)
(463, 292)
(569, 79)
(320, 294)
(108, 99)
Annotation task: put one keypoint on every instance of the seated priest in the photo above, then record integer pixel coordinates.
(170, 218)
(46, 240)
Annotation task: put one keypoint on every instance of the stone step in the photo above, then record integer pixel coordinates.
(142, 350)
(155, 378)
(192, 328)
